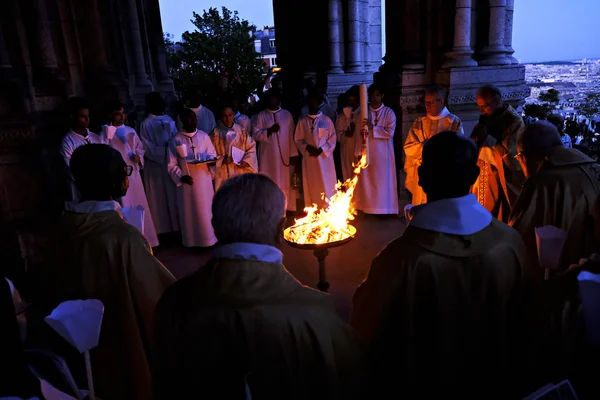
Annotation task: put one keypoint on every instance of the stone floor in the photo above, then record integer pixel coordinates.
(347, 266)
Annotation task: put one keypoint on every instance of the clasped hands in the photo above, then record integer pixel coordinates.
(313, 151)
(274, 129)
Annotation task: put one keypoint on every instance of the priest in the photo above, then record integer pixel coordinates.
(561, 190)
(156, 132)
(97, 255)
(438, 119)
(128, 143)
(236, 149)
(315, 137)
(496, 136)
(242, 326)
(273, 130)
(348, 130)
(376, 190)
(79, 135)
(441, 303)
(189, 151)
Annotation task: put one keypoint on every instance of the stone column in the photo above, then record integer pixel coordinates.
(158, 44)
(4, 58)
(375, 33)
(335, 66)
(354, 59)
(44, 35)
(365, 24)
(508, 32)
(136, 49)
(495, 52)
(462, 53)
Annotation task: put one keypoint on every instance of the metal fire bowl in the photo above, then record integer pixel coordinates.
(314, 246)
(321, 251)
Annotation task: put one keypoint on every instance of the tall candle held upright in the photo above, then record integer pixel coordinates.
(364, 128)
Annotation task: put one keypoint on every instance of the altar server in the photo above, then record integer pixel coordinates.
(316, 139)
(346, 126)
(273, 130)
(79, 135)
(156, 131)
(205, 117)
(125, 140)
(376, 189)
(193, 180)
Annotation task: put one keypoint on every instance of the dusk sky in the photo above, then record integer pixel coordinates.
(544, 30)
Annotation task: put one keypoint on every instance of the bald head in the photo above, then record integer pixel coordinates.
(539, 138)
(535, 143)
(449, 166)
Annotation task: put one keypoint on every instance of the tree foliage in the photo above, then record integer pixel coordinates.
(221, 44)
(540, 111)
(591, 106)
(552, 97)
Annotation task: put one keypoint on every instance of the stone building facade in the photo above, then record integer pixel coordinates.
(458, 44)
(50, 50)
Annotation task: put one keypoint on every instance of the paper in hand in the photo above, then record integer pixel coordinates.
(78, 322)
(109, 131)
(237, 155)
(134, 216)
(348, 112)
(550, 242)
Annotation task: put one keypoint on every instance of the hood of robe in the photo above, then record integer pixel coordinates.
(561, 157)
(244, 282)
(79, 225)
(495, 234)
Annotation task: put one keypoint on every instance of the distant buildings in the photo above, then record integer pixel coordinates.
(574, 81)
(265, 45)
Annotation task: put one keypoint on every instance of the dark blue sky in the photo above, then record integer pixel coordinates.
(544, 30)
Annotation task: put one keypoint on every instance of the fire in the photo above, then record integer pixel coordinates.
(331, 224)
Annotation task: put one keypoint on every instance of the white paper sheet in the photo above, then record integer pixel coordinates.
(237, 154)
(109, 131)
(134, 216)
(348, 112)
(78, 322)
(550, 242)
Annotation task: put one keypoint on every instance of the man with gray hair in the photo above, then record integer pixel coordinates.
(244, 322)
(561, 189)
(438, 119)
(496, 136)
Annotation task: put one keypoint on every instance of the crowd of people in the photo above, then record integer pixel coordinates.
(459, 306)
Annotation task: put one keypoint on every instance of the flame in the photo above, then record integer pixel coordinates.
(333, 223)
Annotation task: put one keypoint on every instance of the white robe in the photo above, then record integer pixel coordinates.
(245, 122)
(223, 140)
(206, 119)
(128, 143)
(318, 173)
(156, 131)
(325, 108)
(194, 201)
(347, 144)
(71, 142)
(423, 129)
(275, 151)
(376, 191)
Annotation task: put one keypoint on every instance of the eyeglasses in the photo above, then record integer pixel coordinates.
(432, 103)
(128, 170)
